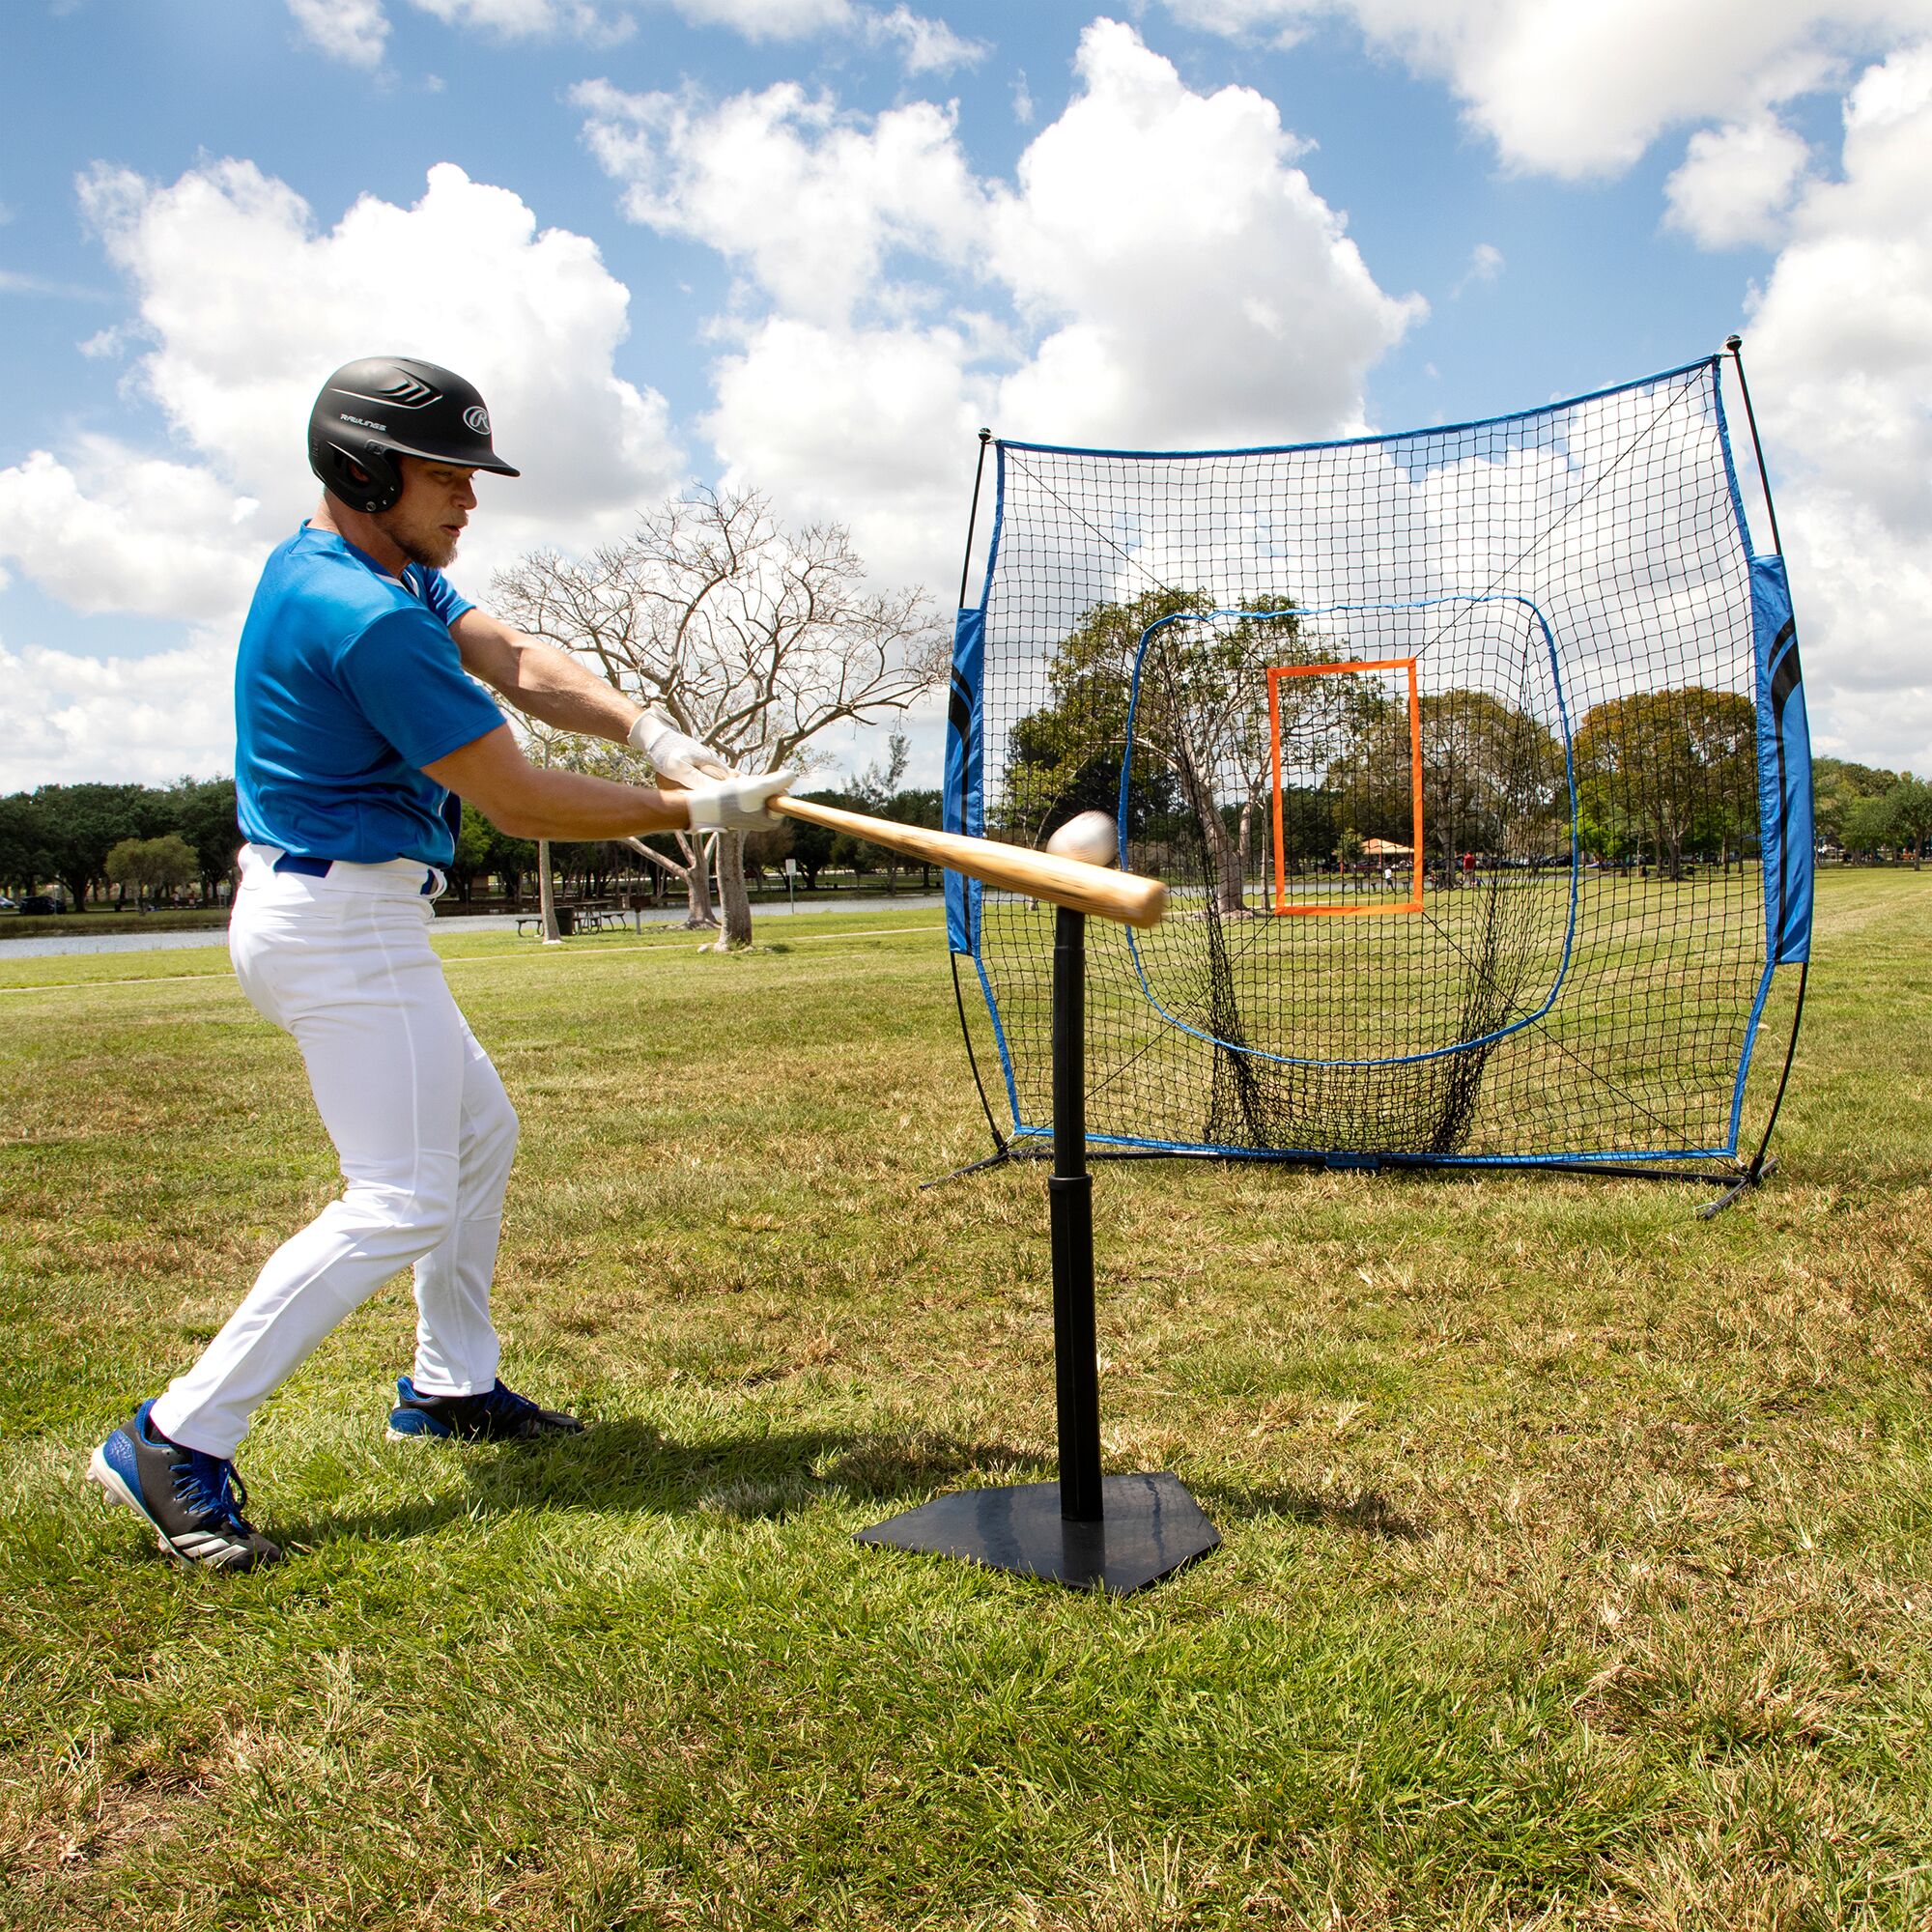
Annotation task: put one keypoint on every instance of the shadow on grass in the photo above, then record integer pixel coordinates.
(1369, 1514)
(629, 1466)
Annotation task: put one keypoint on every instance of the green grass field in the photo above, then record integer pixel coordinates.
(1578, 1562)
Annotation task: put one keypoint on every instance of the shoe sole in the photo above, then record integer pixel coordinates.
(119, 1495)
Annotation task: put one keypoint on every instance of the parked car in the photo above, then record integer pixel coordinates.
(9, 905)
(40, 902)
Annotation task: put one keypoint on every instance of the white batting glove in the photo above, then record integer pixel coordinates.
(674, 754)
(736, 803)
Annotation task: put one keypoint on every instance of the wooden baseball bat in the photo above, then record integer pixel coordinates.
(1126, 896)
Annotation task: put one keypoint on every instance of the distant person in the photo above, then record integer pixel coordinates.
(358, 726)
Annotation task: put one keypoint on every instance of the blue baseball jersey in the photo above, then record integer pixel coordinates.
(347, 683)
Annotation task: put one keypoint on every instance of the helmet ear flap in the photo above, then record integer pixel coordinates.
(379, 485)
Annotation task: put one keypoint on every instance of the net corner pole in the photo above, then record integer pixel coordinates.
(1735, 344)
(1759, 1166)
(1001, 1144)
(973, 514)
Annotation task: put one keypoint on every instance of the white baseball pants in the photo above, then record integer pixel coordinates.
(422, 1128)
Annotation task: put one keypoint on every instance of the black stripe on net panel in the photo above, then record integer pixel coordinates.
(1614, 521)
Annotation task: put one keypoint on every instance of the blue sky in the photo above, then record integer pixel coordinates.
(808, 244)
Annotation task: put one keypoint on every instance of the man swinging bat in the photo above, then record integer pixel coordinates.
(358, 728)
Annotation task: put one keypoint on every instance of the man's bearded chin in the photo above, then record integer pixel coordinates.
(430, 549)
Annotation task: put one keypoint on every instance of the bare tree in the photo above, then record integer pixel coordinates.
(754, 638)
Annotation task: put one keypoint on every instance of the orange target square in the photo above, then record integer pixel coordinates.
(1346, 743)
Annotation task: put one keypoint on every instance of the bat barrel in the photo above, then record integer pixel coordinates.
(1126, 897)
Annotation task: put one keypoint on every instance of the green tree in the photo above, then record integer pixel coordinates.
(156, 865)
(811, 844)
(1909, 804)
(1200, 726)
(172, 861)
(922, 807)
(125, 866)
(768, 850)
(82, 823)
(1493, 780)
(1681, 763)
(875, 791)
(1866, 825)
(24, 856)
(203, 812)
(1838, 785)
(471, 857)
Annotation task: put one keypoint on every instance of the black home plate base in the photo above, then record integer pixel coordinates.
(1150, 1527)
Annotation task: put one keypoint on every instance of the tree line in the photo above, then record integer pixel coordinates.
(134, 842)
(1865, 812)
(68, 834)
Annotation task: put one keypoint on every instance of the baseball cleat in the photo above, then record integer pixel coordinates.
(496, 1415)
(192, 1501)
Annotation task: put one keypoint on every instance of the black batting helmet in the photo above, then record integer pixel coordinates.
(383, 407)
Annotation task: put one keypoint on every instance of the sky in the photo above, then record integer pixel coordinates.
(810, 246)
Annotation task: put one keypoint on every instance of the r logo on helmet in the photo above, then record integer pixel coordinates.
(478, 420)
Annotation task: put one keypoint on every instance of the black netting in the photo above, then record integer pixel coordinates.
(1446, 745)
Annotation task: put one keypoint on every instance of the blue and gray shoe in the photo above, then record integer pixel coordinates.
(195, 1501)
(496, 1415)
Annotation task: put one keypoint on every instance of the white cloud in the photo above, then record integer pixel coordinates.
(1485, 264)
(808, 201)
(142, 721)
(245, 305)
(926, 47)
(117, 531)
(355, 31)
(1736, 182)
(13, 283)
(1135, 272)
(521, 19)
(1839, 353)
(1198, 287)
(768, 19)
(1577, 90)
(464, 278)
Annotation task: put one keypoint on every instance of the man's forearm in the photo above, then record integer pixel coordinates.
(546, 683)
(572, 805)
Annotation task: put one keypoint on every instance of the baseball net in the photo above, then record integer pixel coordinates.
(1474, 757)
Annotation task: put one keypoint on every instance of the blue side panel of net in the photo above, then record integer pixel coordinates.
(963, 804)
(1784, 766)
(1474, 758)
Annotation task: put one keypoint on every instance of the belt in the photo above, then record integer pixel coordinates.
(318, 869)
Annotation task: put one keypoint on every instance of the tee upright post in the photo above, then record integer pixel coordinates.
(1069, 1202)
(1087, 1531)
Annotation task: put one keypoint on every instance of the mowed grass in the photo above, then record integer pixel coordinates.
(1578, 1562)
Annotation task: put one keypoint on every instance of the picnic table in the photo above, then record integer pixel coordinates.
(574, 917)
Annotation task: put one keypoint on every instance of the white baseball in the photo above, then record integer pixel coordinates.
(1091, 836)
